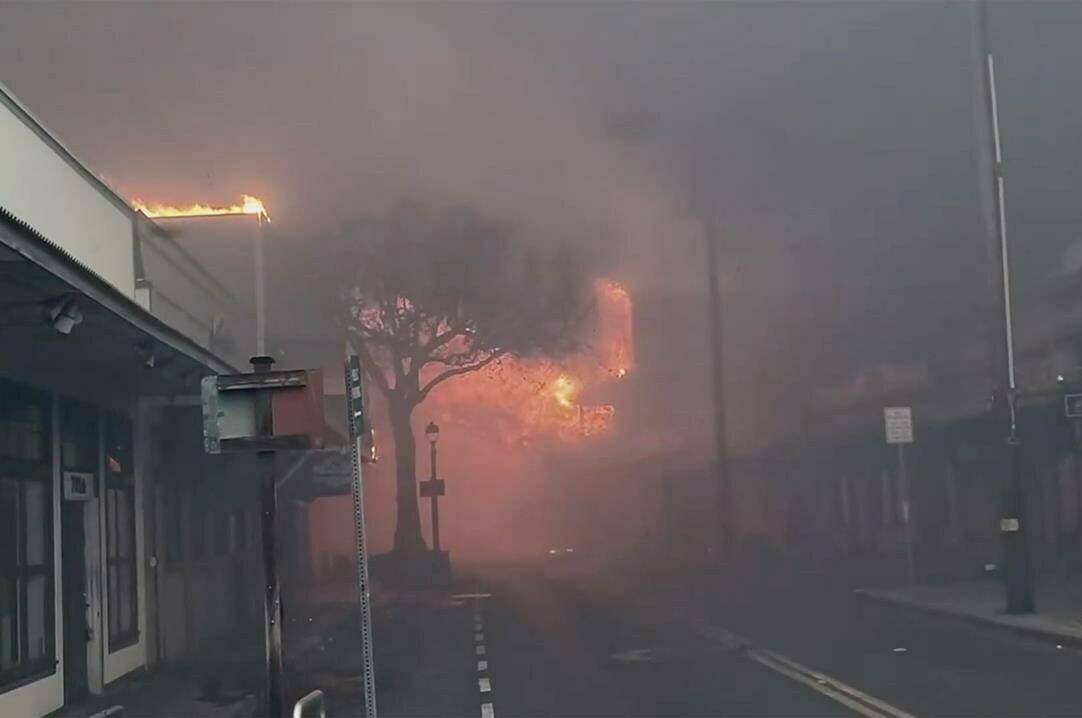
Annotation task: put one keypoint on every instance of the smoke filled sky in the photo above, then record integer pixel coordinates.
(833, 142)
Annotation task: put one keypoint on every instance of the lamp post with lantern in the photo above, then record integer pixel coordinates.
(433, 488)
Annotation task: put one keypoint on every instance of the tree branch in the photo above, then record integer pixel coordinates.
(373, 369)
(439, 339)
(496, 354)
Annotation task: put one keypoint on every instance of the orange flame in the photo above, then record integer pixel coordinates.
(563, 390)
(248, 205)
(614, 336)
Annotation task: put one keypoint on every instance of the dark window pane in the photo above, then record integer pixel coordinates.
(9, 526)
(124, 524)
(125, 598)
(114, 611)
(9, 623)
(34, 523)
(79, 438)
(22, 430)
(110, 522)
(118, 445)
(36, 610)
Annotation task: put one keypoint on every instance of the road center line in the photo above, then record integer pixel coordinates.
(482, 666)
(847, 695)
(487, 711)
(835, 684)
(481, 650)
(484, 684)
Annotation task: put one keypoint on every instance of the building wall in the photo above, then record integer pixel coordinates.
(36, 180)
(188, 296)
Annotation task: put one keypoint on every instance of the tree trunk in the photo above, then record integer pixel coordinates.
(407, 534)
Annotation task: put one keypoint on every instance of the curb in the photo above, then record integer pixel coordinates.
(1033, 633)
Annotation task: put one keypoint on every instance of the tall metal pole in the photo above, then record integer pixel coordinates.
(357, 421)
(435, 501)
(1017, 577)
(260, 292)
(723, 508)
(272, 595)
(907, 516)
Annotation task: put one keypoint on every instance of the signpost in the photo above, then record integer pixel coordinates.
(358, 430)
(898, 421)
(264, 412)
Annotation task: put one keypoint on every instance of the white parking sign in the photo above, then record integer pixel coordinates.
(899, 423)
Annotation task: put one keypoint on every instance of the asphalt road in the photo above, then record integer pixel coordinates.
(549, 641)
(556, 650)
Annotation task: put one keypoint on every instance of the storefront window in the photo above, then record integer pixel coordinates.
(26, 531)
(120, 533)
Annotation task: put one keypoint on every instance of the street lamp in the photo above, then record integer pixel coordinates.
(433, 488)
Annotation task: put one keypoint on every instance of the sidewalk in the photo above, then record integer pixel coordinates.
(166, 694)
(1058, 619)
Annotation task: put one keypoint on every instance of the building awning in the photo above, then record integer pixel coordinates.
(317, 473)
(117, 347)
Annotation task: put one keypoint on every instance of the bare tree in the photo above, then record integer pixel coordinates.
(441, 293)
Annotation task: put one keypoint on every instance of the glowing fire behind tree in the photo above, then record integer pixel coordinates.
(443, 293)
(522, 401)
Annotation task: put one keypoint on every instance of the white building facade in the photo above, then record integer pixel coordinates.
(117, 540)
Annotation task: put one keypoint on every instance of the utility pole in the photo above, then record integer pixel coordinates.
(1017, 578)
(723, 509)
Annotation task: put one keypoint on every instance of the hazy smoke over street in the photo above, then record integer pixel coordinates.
(511, 212)
(618, 128)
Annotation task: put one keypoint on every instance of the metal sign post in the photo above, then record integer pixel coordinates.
(898, 421)
(357, 420)
(261, 413)
(272, 589)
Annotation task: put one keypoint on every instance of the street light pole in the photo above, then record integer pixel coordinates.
(1018, 583)
(722, 490)
(432, 431)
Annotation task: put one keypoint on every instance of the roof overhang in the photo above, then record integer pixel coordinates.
(37, 269)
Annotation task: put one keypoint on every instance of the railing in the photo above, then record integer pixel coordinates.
(310, 706)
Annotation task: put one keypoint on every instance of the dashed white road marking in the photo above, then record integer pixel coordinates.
(484, 683)
(471, 595)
